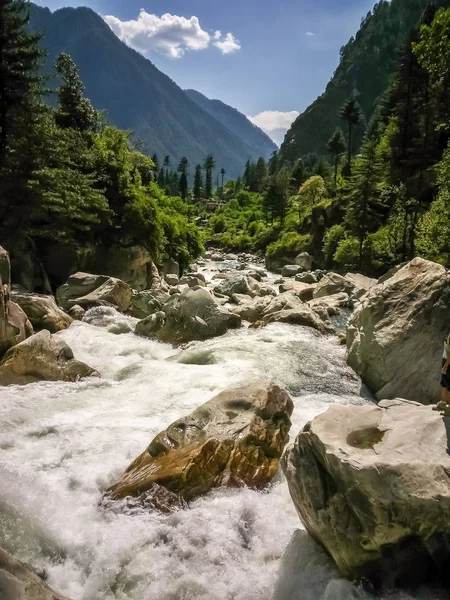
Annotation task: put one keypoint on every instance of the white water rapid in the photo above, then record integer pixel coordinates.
(62, 444)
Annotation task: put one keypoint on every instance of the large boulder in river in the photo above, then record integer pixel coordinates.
(20, 582)
(42, 357)
(395, 336)
(305, 261)
(234, 283)
(42, 311)
(192, 315)
(371, 485)
(88, 290)
(147, 302)
(14, 324)
(333, 283)
(235, 439)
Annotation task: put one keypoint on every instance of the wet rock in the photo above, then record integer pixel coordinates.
(42, 311)
(76, 312)
(308, 277)
(253, 310)
(150, 325)
(14, 324)
(193, 315)
(305, 261)
(88, 290)
(172, 279)
(231, 257)
(235, 283)
(240, 299)
(300, 315)
(20, 582)
(395, 336)
(333, 283)
(235, 439)
(42, 357)
(148, 302)
(192, 281)
(371, 485)
(216, 257)
(291, 270)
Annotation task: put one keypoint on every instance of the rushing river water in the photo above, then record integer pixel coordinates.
(62, 444)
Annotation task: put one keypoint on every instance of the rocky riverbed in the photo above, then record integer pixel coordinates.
(64, 443)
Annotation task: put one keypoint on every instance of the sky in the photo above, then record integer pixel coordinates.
(268, 59)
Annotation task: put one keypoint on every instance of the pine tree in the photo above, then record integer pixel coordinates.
(198, 183)
(21, 93)
(351, 114)
(222, 174)
(183, 181)
(336, 146)
(208, 165)
(260, 174)
(74, 110)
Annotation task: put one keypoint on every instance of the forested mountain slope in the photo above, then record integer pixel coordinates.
(366, 65)
(135, 94)
(237, 123)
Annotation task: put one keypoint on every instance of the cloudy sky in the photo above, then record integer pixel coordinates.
(268, 59)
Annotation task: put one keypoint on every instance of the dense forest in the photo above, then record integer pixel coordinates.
(366, 210)
(366, 65)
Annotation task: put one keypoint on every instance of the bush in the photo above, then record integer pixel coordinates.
(289, 243)
(333, 237)
(347, 253)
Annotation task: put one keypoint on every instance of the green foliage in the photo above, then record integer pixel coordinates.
(290, 242)
(336, 146)
(331, 241)
(347, 254)
(433, 48)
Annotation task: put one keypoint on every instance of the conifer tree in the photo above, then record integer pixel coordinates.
(222, 174)
(351, 114)
(183, 180)
(74, 110)
(198, 183)
(336, 146)
(208, 165)
(260, 174)
(21, 93)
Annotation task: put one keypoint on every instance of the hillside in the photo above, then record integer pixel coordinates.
(236, 122)
(365, 68)
(135, 94)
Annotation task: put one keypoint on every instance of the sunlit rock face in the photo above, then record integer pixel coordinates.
(371, 485)
(235, 439)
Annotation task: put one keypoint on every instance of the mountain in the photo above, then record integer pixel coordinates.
(366, 65)
(236, 122)
(135, 94)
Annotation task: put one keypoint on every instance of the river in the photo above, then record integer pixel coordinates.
(62, 444)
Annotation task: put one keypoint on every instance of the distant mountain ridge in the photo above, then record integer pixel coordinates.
(236, 122)
(136, 95)
(367, 63)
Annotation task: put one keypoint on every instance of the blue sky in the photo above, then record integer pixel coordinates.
(268, 59)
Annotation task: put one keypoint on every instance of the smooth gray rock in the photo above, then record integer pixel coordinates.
(307, 277)
(305, 261)
(88, 290)
(371, 485)
(42, 311)
(395, 336)
(291, 270)
(333, 283)
(172, 279)
(234, 283)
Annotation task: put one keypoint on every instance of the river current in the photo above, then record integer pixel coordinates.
(62, 444)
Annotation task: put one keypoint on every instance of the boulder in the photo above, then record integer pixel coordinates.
(171, 267)
(132, 265)
(235, 439)
(305, 261)
(14, 324)
(172, 279)
(234, 283)
(42, 357)
(333, 283)
(240, 299)
(42, 311)
(193, 315)
(395, 336)
(361, 284)
(254, 309)
(304, 291)
(148, 326)
(147, 302)
(76, 312)
(371, 485)
(275, 263)
(307, 277)
(290, 270)
(78, 285)
(333, 305)
(300, 315)
(192, 281)
(113, 292)
(20, 582)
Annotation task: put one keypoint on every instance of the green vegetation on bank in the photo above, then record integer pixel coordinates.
(371, 210)
(68, 178)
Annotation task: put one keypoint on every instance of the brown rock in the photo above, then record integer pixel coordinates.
(42, 311)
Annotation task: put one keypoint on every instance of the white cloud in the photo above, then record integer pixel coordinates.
(275, 123)
(309, 33)
(228, 45)
(170, 35)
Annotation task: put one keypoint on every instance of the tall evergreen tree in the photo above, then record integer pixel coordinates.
(183, 181)
(351, 114)
(74, 110)
(21, 93)
(260, 174)
(336, 146)
(222, 174)
(209, 165)
(198, 183)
